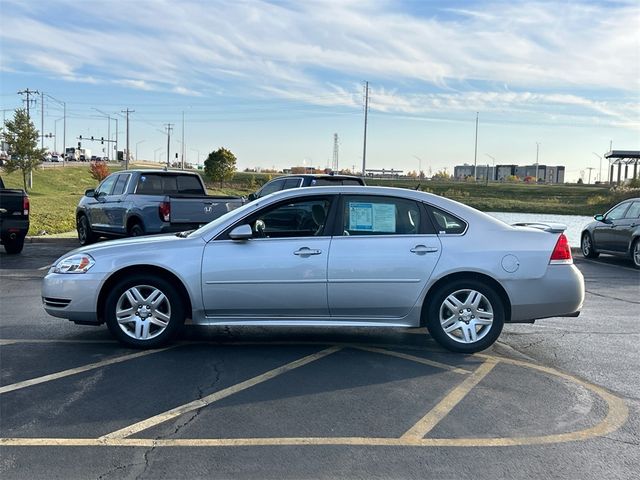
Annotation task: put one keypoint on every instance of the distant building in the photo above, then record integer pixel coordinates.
(499, 173)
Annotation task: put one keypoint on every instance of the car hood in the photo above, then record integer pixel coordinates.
(128, 244)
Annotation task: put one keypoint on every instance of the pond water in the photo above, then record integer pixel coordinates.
(574, 223)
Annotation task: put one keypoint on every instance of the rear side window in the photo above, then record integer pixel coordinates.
(291, 183)
(375, 215)
(445, 222)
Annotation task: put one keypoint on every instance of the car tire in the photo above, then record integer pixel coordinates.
(465, 316)
(13, 247)
(586, 246)
(136, 230)
(144, 311)
(85, 234)
(635, 253)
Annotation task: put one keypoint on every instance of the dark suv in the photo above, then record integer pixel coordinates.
(305, 180)
(617, 232)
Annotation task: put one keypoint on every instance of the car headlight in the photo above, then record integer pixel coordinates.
(79, 263)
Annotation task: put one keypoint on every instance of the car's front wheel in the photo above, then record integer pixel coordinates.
(635, 252)
(586, 245)
(465, 316)
(85, 234)
(143, 311)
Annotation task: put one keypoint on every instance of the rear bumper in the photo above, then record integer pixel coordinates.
(559, 293)
(13, 226)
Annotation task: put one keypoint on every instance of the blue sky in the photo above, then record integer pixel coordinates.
(273, 81)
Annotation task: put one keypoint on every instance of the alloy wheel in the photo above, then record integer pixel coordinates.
(466, 316)
(143, 312)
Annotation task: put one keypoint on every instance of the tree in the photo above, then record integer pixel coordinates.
(22, 138)
(220, 165)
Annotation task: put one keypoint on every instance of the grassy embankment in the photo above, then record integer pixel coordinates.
(56, 192)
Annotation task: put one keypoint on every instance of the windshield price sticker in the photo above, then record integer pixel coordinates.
(372, 217)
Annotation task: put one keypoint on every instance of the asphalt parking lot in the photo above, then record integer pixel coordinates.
(550, 400)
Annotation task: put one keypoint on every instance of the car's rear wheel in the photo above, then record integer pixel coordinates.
(13, 246)
(635, 253)
(586, 245)
(85, 234)
(136, 230)
(465, 316)
(143, 311)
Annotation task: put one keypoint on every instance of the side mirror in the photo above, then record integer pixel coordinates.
(599, 217)
(242, 232)
(251, 197)
(90, 192)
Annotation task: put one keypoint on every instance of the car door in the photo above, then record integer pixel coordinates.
(95, 206)
(113, 205)
(604, 236)
(281, 272)
(622, 232)
(381, 257)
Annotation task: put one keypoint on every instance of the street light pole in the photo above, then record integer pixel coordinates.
(600, 172)
(537, 153)
(475, 152)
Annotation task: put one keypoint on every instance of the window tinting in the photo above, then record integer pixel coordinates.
(271, 187)
(189, 185)
(618, 212)
(300, 218)
(291, 183)
(634, 211)
(157, 184)
(375, 215)
(445, 222)
(121, 183)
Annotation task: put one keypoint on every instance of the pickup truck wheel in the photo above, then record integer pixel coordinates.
(14, 246)
(144, 312)
(85, 234)
(465, 316)
(136, 230)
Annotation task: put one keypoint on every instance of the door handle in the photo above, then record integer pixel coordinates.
(422, 249)
(305, 252)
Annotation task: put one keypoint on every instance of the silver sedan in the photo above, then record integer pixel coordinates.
(326, 256)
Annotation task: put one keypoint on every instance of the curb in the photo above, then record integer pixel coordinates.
(48, 239)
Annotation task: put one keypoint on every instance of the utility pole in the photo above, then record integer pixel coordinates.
(42, 120)
(366, 111)
(182, 149)
(475, 152)
(537, 153)
(28, 92)
(334, 166)
(126, 158)
(169, 127)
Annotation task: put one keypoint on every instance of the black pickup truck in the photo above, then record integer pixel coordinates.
(14, 218)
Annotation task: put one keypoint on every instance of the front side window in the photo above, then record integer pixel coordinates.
(294, 218)
(617, 212)
(106, 186)
(445, 222)
(374, 215)
(634, 211)
(271, 187)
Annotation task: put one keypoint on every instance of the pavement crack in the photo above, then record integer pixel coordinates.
(625, 442)
(612, 298)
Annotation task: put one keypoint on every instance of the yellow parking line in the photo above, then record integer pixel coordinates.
(442, 409)
(214, 397)
(415, 359)
(74, 371)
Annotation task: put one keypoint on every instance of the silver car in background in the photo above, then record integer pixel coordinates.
(325, 256)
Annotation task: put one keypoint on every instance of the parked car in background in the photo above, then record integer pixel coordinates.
(83, 157)
(55, 158)
(14, 218)
(95, 158)
(304, 180)
(326, 256)
(617, 232)
(143, 202)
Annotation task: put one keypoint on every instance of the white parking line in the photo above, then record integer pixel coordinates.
(74, 371)
(214, 397)
(46, 267)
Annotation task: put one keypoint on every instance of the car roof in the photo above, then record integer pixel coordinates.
(316, 175)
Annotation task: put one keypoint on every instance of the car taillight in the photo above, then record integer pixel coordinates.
(25, 206)
(164, 209)
(562, 251)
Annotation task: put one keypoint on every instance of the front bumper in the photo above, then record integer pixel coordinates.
(559, 293)
(72, 296)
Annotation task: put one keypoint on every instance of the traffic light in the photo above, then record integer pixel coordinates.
(79, 145)
(92, 138)
(80, 139)
(102, 140)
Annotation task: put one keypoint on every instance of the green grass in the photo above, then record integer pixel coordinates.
(56, 192)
